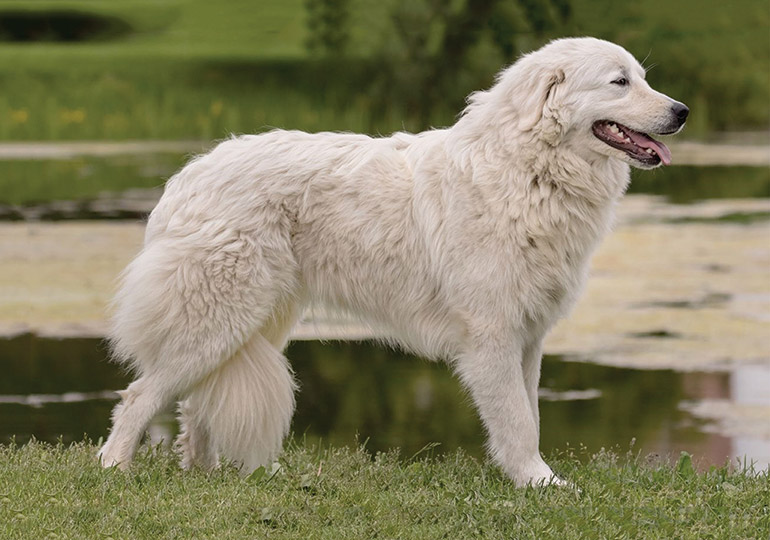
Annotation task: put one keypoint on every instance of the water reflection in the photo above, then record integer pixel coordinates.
(685, 184)
(63, 389)
(750, 387)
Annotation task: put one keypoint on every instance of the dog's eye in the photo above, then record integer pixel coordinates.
(621, 82)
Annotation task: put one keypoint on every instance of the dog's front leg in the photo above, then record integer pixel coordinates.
(531, 364)
(494, 374)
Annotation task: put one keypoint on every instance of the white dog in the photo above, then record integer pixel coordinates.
(464, 244)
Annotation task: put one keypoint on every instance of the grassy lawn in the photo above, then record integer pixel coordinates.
(176, 29)
(201, 69)
(189, 69)
(58, 492)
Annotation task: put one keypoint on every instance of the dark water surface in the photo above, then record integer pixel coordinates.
(55, 389)
(687, 184)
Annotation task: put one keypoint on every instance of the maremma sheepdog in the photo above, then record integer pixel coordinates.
(462, 244)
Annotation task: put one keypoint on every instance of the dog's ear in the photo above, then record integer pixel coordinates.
(541, 110)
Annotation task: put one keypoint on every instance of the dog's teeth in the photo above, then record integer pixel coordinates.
(649, 150)
(614, 128)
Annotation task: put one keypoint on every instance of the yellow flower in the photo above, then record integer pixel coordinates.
(19, 116)
(72, 116)
(116, 123)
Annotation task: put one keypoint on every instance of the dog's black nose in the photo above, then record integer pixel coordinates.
(681, 111)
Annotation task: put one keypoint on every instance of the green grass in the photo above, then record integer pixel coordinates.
(177, 29)
(36, 181)
(154, 98)
(192, 69)
(60, 492)
(201, 69)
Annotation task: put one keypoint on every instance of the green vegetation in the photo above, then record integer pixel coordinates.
(739, 218)
(684, 184)
(60, 492)
(713, 56)
(35, 181)
(200, 69)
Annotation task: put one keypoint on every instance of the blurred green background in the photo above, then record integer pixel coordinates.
(197, 69)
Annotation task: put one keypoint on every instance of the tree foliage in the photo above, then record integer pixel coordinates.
(442, 49)
(436, 51)
(327, 23)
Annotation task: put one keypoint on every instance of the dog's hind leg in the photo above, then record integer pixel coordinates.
(194, 440)
(158, 386)
(141, 401)
(183, 311)
(278, 328)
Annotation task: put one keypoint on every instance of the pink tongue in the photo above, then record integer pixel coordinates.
(658, 147)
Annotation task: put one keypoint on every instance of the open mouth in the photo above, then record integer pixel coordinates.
(639, 146)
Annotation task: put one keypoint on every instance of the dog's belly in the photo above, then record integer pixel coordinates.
(383, 277)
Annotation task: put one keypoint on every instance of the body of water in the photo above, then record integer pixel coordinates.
(351, 392)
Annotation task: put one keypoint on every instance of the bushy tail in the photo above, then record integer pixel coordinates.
(246, 404)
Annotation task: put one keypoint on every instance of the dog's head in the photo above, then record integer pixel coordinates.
(592, 94)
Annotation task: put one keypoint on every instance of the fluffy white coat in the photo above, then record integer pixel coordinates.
(464, 244)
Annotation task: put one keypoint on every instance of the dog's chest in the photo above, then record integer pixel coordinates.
(551, 255)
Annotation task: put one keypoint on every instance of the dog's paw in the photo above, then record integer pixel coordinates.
(108, 458)
(546, 481)
(554, 481)
(539, 474)
(535, 473)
